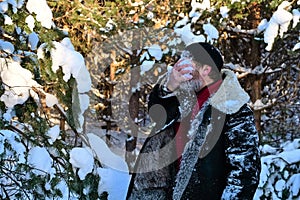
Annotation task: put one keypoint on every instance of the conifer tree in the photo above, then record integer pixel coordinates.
(42, 98)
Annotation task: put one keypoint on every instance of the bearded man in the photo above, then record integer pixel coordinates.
(205, 144)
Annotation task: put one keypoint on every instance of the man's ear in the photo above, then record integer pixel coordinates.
(206, 70)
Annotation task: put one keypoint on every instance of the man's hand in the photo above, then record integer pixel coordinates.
(181, 72)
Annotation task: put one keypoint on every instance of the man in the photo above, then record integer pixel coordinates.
(204, 144)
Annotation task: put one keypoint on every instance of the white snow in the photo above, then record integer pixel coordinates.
(20, 3)
(106, 157)
(290, 156)
(146, 66)
(114, 176)
(275, 164)
(279, 185)
(17, 82)
(267, 149)
(40, 51)
(30, 22)
(7, 116)
(211, 32)
(144, 56)
(40, 160)
(12, 137)
(3, 6)
(290, 146)
(277, 25)
(131, 12)
(201, 6)
(150, 15)
(294, 182)
(42, 11)
(224, 11)
(15, 5)
(197, 9)
(72, 63)
(259, 105)
(109, 26)
(296, 47)
(296, 17)
(84, 101)
(262, 25)
(53, 133)
(114, 182)
(67, 42)
(155, 51)
(7, 46)
(83, 159)
(7, 20)
(63, 187)
(195, 16)
(182, 22)
(33, 40)
(48, 186)
(183, 27)
(187, 36)
(189, 68)
(51, 100)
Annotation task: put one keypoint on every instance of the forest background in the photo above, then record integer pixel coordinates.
(72, 68)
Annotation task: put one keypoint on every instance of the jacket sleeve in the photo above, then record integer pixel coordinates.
(242, 156)
(163, 109)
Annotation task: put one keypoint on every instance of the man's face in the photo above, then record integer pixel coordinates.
(190, 69)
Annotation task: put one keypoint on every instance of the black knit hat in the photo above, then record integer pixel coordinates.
(205, 53)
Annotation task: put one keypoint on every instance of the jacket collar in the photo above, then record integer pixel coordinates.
(230, 96)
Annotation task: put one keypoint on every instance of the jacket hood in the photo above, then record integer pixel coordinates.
(230, 97)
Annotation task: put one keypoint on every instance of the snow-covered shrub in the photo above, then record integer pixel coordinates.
(280, 175)
(40, 173)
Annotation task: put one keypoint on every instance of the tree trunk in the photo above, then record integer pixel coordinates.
(130, 155)
(254, 61)
(256, 94)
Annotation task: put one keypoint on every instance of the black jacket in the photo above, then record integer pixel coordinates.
(221, 159)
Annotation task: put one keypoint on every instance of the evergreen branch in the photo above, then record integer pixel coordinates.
(5, 35)
(241, 31)
(62, 113)
(72, 127)
(17, 86)
(16, 182)
(57, 159)
(4, 190)
(14, 129)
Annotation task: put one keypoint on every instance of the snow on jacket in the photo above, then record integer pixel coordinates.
(221, 159)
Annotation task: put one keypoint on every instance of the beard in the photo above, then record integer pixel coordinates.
(193, 85)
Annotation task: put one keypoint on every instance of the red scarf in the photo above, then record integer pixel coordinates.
(183, 127)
